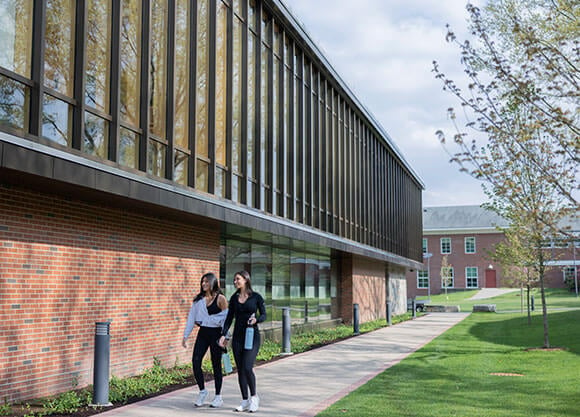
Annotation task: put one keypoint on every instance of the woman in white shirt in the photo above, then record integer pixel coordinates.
(209, 310)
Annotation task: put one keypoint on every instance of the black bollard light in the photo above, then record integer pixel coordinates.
(355, 320)
(286, 331)
(414, 306)
(101, 365)
(389, 314)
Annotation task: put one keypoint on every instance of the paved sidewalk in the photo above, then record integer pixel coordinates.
(491, 292)
(304, 384)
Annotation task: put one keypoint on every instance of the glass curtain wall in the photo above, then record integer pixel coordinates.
(219, 96)
(286, 276)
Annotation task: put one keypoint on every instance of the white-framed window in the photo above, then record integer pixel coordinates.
(425, 246)
(445, 245)
(423, 279)
(447, 277)
(470, 244)
(568, 272)
(471, 277)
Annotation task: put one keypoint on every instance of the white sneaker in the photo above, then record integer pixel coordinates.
(217, 402)
(201, 398)
(244, 406)
(254, 404)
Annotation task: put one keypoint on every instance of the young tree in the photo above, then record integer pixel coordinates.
(516, 258)
(522, 109)
(446, 274)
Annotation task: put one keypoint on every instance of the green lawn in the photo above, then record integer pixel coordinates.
(453, 375)
(511, 302)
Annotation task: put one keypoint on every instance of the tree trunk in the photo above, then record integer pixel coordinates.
(543, 292)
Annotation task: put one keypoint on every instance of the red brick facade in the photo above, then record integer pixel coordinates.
(459, 260)
(65, 265)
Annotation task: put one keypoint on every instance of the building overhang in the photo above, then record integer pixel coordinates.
(71, 172)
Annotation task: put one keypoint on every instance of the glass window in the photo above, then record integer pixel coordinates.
(471, 276)
(425, 246)
(264, 78)
(156, 158)
(251, 106)
(158, 69)
(201, 99)
(445, 245)
(180, 167)
(423, 279)
(128, 148)
(447, 277)
(181, 85)
(14, 104)
(56, 120)
(130, 62)
(221, 83)
(202, 175)
(16, 36)
(470, 245)
(96, 134)
(59, 44)
(237, 97)
(98, 55)
(569, 273)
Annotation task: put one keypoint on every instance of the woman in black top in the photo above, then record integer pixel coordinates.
(247, 307)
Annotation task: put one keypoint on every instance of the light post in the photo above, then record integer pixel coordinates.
(428, 256)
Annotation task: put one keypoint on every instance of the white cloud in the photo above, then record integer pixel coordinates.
(383, 50)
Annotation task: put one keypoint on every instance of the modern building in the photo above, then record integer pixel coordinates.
(146, 142)
(466, 237)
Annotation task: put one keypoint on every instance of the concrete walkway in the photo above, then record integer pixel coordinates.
(302, 385)
(491, 292)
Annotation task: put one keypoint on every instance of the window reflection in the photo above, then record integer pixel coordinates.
(201, 98)
(158, 68)
(98, 54)
(156, 158)
(130, 61)
(14, 104)
(128, 148)
(181, 85)
(221, 84)
(16, 35)
(56, 120)
(180, 170)
(59, 46)
(95, 138)
(237, 98)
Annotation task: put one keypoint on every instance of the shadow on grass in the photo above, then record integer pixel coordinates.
(516, 332)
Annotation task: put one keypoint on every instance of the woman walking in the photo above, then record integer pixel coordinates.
(247, 307)
(209, 310)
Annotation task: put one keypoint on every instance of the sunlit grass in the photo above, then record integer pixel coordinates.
(510, 302)
(454, 374)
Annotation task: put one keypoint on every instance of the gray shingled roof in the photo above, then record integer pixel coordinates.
(460, 217)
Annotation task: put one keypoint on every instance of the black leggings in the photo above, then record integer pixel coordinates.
(207, 337)
(245, 363)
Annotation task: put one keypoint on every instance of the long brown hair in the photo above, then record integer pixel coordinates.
(246, 275)
(214, 286)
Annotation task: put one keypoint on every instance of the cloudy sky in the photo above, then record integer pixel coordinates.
(383, 50)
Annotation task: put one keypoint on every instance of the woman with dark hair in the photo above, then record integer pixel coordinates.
(208, 311)
(247, 307)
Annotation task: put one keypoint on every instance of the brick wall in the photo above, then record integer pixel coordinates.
(66, 264)
(369, 288)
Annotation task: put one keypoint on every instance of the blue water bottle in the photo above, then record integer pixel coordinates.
(227, 362)
(249, 341)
